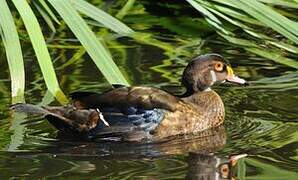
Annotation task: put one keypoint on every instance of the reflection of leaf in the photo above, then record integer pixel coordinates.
(251, 46)
(283, 82)
(268, 171)
(277, 57)
(17, 138)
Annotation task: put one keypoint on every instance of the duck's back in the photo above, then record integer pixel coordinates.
(132, 113)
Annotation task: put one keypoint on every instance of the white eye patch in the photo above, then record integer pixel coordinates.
(213, 77)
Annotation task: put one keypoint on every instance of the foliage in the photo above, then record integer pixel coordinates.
(254, 17)
(69, 11)
(260, 27)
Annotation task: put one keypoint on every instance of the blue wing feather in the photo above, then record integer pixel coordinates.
(127, 122)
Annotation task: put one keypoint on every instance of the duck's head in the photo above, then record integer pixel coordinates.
(205, 70)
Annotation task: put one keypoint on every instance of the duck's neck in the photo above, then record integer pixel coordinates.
(209, 103)
(190, 92)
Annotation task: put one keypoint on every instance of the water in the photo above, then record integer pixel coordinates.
(261, 119)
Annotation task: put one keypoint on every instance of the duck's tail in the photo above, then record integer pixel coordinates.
(29, 109)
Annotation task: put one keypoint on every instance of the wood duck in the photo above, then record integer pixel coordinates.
(146, 113)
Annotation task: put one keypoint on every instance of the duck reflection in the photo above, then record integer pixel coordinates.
(199, 149)
(209, 167)
(203, 164)
(204, 142)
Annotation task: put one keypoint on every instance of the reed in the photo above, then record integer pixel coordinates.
(70, 13)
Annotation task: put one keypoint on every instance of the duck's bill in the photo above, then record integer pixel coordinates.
(235, 79)
(232, 78)
(237, 157)
(234, 159)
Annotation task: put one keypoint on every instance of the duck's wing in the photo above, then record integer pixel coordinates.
(125, 97)
(110, 123)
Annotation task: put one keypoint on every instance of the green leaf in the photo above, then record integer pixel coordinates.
(267, 53)
(269, 17)
(49, 11)
(102, 17)
(45, 16)
(204, 11)
(281, 3)
(95, 49)
(40, 48)
(128, 5)
(277, 57)
(210, 18)
(13, 52)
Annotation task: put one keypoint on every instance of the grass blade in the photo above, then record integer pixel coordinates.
(40, 48)
(269, 17)
(95, 49)
(281, 3)
(45, 16)
(102, 17)
(48, 9)
(210, 18)
(128, 5)
(269, 54)
(13, 52)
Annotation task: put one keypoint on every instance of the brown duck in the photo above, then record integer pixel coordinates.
(146, 113)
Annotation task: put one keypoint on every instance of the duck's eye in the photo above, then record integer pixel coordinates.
(224, 170)
(218, 66)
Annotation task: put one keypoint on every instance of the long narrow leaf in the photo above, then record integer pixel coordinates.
(49, 11)
(102, 17)
(45, 16)
(210, 18)
(128, 5)
(254, 48)
(269, 17)
(95, 49)
(40, 48)
(281, 3)
(13, 52)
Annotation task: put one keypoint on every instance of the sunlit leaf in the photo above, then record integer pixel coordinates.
(102, 17)
(95, 49)
(281, 3)
(270, 17)
(13, 49)
(277, 57)
(49, 11)
(40, 48)
(128, 5)
(45, 16)
(210, 18)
